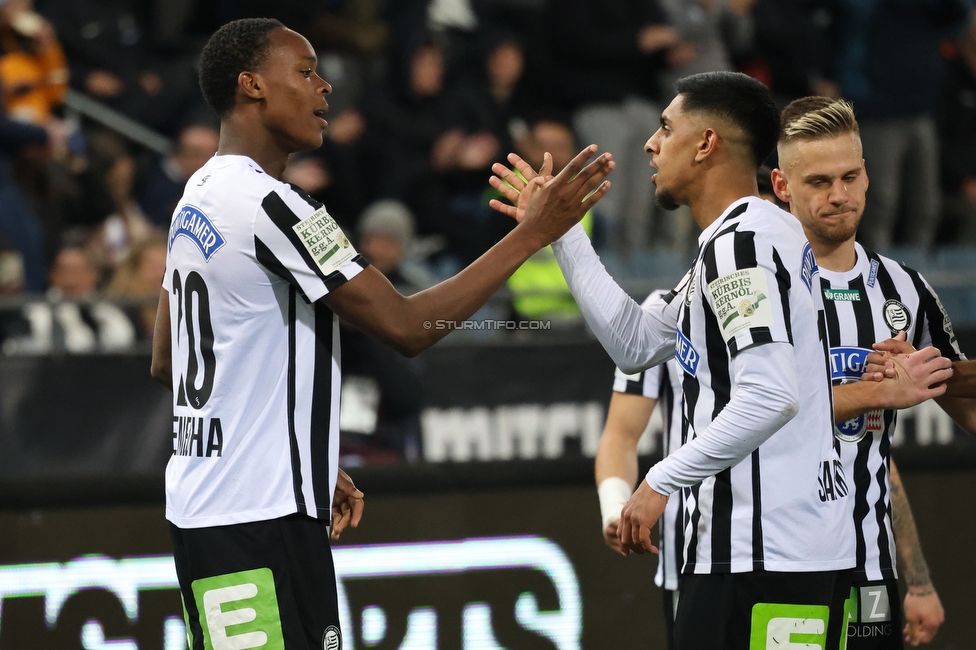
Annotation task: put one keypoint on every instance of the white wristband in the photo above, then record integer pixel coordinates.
(614, 493)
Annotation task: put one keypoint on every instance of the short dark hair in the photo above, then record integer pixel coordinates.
(237, 46)
(739, 99)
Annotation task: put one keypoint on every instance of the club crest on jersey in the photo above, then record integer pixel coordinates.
(685, 354)
(847, 363)
(332, 638)
(195, 226)
(808, 267)
(896, 316)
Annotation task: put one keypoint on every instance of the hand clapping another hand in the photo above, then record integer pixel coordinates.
(551, 205)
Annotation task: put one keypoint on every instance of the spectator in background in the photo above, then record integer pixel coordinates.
(386, 239)
(957, 129)
(138, 278)
(405, 120)
(888, 63)
(18, 224)
(127, 227)
(72, 319)
(609, 55)
(486, 115)
(33, 70)
(790, 49)
(710, 32)
(112, 60)
(163, 186)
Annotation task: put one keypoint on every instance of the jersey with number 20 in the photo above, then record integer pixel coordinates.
(255, 357)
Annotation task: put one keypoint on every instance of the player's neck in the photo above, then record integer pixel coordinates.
(715, 197)
(837, 257)
(239, 139)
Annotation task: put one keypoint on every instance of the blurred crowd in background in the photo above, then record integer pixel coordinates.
(427, 95)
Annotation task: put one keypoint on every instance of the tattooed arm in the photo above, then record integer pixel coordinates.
(923, 609)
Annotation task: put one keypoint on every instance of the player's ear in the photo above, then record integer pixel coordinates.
(250, 84)
(780, 187)
(707, 144)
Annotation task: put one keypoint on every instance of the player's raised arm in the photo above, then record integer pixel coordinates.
(634, 337)
(410, 324)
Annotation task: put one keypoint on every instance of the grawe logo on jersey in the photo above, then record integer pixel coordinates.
(193, 224)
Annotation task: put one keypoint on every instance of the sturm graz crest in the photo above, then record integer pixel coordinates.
(332, 639)
(896, 316)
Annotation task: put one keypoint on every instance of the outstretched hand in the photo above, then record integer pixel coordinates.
(347, 505)
(551, 205)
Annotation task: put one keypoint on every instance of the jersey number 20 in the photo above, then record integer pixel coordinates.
(193, 300)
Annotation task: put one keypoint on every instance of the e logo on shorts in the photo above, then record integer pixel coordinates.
(788, 627)
(239, 611)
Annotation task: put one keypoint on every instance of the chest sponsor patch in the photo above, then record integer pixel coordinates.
(325, 241)
(685, 354)
(741, 301)
(896, 316)
(847, 363)
(842, 295)
(193, 224)
(808, 267)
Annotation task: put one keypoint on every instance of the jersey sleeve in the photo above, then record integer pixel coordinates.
(648, 382)
(635, 337)
(747, 287)
(296, 239)
(934, 327)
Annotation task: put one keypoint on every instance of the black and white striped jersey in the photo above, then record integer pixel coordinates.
(784, 506)
(872, 302)
(662, 383)
(255, 357)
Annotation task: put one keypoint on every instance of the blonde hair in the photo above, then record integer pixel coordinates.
(813, 118)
